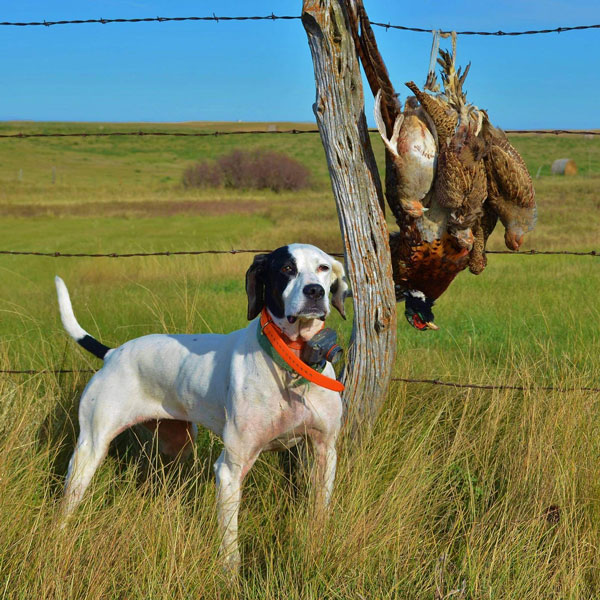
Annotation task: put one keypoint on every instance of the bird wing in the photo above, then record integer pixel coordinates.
(443, 117)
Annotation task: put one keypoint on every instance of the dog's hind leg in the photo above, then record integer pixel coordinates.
(293, 461)
(103, 414)
(175, 437)
(85, 460)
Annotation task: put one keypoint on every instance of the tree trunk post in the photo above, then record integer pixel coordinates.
(339, 109)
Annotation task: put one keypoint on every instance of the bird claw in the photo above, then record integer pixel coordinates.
(465, 238)
(413, 208)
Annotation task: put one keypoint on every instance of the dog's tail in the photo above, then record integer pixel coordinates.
(74, 329)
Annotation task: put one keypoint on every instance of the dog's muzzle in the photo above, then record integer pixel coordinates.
(314, 304)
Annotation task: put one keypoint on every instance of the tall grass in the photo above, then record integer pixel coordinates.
(496, 491)
(493, 492)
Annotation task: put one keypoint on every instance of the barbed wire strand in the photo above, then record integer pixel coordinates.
(273, 17)
(488, 33)
(133, 254)
(250, 132)
(101, 21)
(532, 252)
(477, 386)
(44, 371)
(156, 133)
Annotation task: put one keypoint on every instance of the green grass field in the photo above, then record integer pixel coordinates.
(454, 485)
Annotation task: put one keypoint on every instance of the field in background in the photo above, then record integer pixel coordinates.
(470, 475)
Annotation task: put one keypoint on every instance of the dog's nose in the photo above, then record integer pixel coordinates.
(314, 291)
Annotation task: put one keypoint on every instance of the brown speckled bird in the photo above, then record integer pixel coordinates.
(509, 186)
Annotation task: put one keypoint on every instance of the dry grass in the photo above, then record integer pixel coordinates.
(500, 484)
(492, 492)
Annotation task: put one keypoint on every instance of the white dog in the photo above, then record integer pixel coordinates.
(228, 383)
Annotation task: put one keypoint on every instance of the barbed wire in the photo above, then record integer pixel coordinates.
(251, 132)
(133, 254)
(158, 133)
(499, 32)
(532, 252)
(101, 21)
(454, 384)
(481, 386)
(43, 371)
(553, 131)
(273, 17)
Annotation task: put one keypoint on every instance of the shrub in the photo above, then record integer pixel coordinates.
(203, 174)
(243, 169)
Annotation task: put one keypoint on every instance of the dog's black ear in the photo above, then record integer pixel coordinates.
(255, 285)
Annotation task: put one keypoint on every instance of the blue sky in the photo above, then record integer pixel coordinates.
(262, 71)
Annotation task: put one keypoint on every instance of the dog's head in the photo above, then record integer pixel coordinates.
(294, 283)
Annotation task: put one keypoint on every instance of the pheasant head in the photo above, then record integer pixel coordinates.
(417, 310)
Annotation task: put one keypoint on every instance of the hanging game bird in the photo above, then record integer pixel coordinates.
(510, 189)
(449, 175)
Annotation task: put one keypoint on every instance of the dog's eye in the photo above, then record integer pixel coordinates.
(323, 268)
(286, 269)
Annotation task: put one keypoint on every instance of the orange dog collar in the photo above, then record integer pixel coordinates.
(273, 334)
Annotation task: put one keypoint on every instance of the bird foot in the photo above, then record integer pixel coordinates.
(413, 208)
(464, 237)
(390, 143)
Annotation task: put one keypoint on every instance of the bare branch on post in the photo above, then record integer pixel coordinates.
(339, 110)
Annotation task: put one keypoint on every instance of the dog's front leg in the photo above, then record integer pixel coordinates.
(323, 473)
(230, 473)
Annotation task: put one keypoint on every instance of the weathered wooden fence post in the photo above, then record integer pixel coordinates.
(339, 110)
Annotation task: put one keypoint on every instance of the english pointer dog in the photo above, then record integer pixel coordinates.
(232, 384)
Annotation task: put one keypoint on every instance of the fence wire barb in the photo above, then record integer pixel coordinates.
(476, 386)
(250, 132)
(273, 17)
(250, 251)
